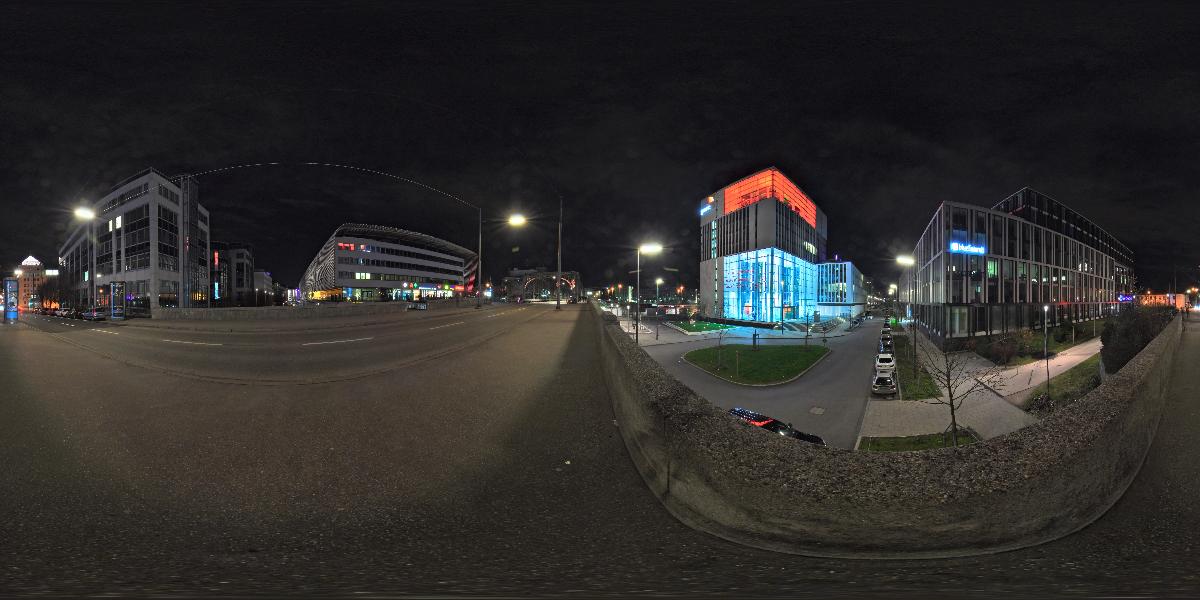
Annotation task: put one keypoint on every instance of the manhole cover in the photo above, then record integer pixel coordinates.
(817, 410)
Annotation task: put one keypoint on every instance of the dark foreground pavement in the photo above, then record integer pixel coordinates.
(448, 477)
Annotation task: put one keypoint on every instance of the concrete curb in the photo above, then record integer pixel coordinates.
(798, 376)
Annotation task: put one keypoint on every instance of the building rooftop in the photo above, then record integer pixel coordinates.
(401, 236)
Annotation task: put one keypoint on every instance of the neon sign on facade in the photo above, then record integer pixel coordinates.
(961, 248)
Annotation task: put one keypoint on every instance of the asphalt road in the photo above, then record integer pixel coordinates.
(829, 400)
(493, 470)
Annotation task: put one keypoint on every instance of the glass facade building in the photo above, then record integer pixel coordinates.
(841, 290)
(981, 271)
(762, 240)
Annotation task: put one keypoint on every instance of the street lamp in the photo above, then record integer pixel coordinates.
(657, 282)
(649, 249)
(84, 213)
(17, 272)
(519, 220)
(1046, 346)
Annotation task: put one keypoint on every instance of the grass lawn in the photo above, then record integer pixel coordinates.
(913, 442)
(770, 363)
(911, 388)
(1076, 382)
(700, 326)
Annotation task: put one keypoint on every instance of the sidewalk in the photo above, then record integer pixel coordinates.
(1027, 377)
(985, 411)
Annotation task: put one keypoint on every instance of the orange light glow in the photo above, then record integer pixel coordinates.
(770, 183)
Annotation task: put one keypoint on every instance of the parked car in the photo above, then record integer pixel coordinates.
(775, 425)
(885, 337)
(95, 313)
(885, 362)
(883, 384)
(71, 313)
(886, 347)
(887, 328)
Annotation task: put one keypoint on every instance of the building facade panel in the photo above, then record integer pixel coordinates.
(367, 263)
(151, 235)
(981, 271)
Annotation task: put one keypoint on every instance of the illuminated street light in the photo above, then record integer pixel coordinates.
(84, 213)
(905, 260)
(517, 220)
(17, 272)
(651, 248)
(657, 282)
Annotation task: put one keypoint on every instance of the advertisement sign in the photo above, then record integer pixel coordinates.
(1124, 298)
(962, 248)
(10, 300)
(117, 300)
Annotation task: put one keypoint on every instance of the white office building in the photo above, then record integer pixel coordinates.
(146, 248)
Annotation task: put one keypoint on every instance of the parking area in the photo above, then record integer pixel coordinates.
(829, 400)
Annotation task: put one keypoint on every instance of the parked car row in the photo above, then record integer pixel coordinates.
(93, 313)
(883, 382)
(775, 425)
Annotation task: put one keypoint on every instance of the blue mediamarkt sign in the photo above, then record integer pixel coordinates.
(961, 248)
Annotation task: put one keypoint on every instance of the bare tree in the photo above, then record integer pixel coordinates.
(958, 376)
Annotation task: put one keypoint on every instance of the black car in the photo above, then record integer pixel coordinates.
(775, 425)
(886, 347)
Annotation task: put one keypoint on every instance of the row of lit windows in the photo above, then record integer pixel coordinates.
(374, 262)
(391, 277)
(398, 252)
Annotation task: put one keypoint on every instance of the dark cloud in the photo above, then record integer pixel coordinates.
(632, 114)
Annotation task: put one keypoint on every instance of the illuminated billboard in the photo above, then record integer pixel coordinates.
(964, 248)
(770, 183)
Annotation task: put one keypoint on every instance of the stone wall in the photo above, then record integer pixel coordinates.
(749, 486)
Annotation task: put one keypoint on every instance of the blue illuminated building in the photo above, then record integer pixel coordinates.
(762, 240)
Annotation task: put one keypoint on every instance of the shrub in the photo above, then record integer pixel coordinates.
(1126, 334)
(1003, 349)
(1060, 334)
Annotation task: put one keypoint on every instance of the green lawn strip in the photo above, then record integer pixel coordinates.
(912, 388)
(770, 363)
(983, 347)
(1075, 382)
(913, 442)
(701, 326)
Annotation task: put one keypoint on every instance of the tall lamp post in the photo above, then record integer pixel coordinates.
(1046, 345)
(84, 213)
(658, 281)
(649, 250)
(519, 220)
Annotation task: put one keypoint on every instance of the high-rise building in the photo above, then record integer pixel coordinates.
(148, 242)
(232, 268)
(981, 271)
(761, 240)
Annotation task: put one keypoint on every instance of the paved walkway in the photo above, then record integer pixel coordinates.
(985, 411)
(1022, 382)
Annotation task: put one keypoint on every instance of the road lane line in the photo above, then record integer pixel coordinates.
(338, 341)
(193, 343)
(447, 325)
(108, 332)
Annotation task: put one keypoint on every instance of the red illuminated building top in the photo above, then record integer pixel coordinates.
(770, 183)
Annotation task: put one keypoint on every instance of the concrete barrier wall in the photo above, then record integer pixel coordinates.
(755, 488)
(332, 309)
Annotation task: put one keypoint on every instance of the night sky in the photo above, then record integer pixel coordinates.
(633, 113)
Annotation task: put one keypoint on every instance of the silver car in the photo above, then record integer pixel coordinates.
(883, 383)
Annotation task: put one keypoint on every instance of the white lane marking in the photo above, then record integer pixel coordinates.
(193, 343)
(338, 341)
(447, 325)
(108, 332)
